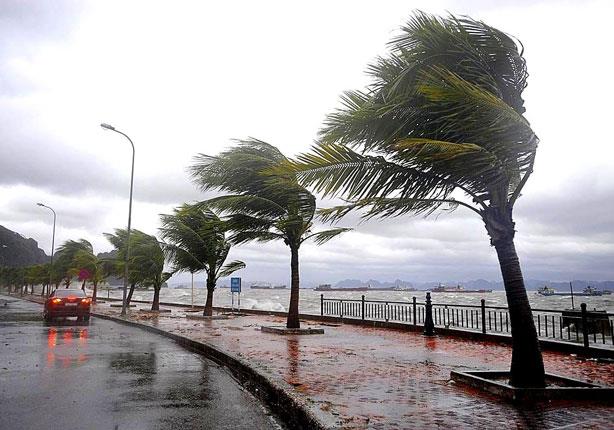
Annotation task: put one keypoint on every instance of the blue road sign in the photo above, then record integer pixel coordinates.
(235, 285)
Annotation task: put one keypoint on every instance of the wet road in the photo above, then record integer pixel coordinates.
(109, 376)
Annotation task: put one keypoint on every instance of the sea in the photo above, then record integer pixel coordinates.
(278, 300)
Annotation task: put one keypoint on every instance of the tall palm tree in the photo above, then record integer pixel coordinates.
(95, 268)
(147, 260)
(116, 267)
(64, 264)
(441, 127)
(195, 241)
(261, 205)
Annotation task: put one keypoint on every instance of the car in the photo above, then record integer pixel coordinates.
(67, 302)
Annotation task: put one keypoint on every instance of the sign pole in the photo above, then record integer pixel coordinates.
(235, 287)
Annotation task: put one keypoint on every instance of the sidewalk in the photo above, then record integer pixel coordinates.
(381, 378)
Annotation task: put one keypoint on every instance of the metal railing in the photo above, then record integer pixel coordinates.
(575, 325)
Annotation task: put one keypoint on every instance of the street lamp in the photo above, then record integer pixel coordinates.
(52, 248)
(127, 255)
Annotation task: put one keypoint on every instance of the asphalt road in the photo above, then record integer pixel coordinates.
(104, 375)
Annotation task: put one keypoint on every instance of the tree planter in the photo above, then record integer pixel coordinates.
(557, 387)
(207, 317)
(159, 311)
(286, 330)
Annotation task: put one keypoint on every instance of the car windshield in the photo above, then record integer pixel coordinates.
(67, 293)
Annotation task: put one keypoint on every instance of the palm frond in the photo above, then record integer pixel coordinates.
(322, 237)
(230, 268)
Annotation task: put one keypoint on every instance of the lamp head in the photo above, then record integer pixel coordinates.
(107, 126)
(40, 204)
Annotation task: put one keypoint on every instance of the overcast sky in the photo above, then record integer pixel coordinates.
(186, 77)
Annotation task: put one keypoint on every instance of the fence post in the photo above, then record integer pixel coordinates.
(584, 325)
(415, 309)
(321, 304)
(363, 307)
(483, 305)
(429, 327)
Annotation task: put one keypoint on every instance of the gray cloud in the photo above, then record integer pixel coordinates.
(24, 25)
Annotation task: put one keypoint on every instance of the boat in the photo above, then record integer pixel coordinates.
(546, 291)
(267, 287)
(458, 289)
(328, 287)
(588, 291)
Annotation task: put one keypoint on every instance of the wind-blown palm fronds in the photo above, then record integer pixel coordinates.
(116, 266)
(195, 241)
(65, 259)
(440, 127)
(262, 205)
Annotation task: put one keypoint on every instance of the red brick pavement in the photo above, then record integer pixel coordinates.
(392, 379)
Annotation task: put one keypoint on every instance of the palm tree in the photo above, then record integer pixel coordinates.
(146, 265)
(65, 262)
(147, 259)
(441, 127)
(37, 274)
(195, 241)
(262, 205)
(116, 267)
(96, 269)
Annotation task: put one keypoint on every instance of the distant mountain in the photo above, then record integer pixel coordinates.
(110, 254)
(18, 251)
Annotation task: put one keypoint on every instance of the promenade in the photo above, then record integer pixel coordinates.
(356, 377)
(380, 378)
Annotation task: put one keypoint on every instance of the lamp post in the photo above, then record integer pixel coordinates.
(127, 254)
(52, 247)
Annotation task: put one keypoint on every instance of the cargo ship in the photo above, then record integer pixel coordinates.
(267, 287)
(328, 287)
(458, 289)
(588, 291)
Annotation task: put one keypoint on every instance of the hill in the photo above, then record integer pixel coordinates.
(17, 251)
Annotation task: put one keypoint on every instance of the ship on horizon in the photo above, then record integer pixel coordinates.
(266, 286)
(441, 288)
(588, 291)
(328, 287)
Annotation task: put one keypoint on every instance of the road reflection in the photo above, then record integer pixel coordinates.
(65, 346)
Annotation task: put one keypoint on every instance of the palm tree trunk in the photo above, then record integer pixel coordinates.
(527, 368)
(95, 292)
(83, 284)
(293, 320)
(155, 305)
(209, 303)
(130, 292)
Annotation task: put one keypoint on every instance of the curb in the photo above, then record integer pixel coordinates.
(292, 410)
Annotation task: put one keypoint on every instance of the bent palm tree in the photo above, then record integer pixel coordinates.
(195, 241)
(440, 127)
(65, 263)
(118, 240)
(147, 262)
(262, 206)
(96, 269)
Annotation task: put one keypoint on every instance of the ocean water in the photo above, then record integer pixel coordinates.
(278, 300)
